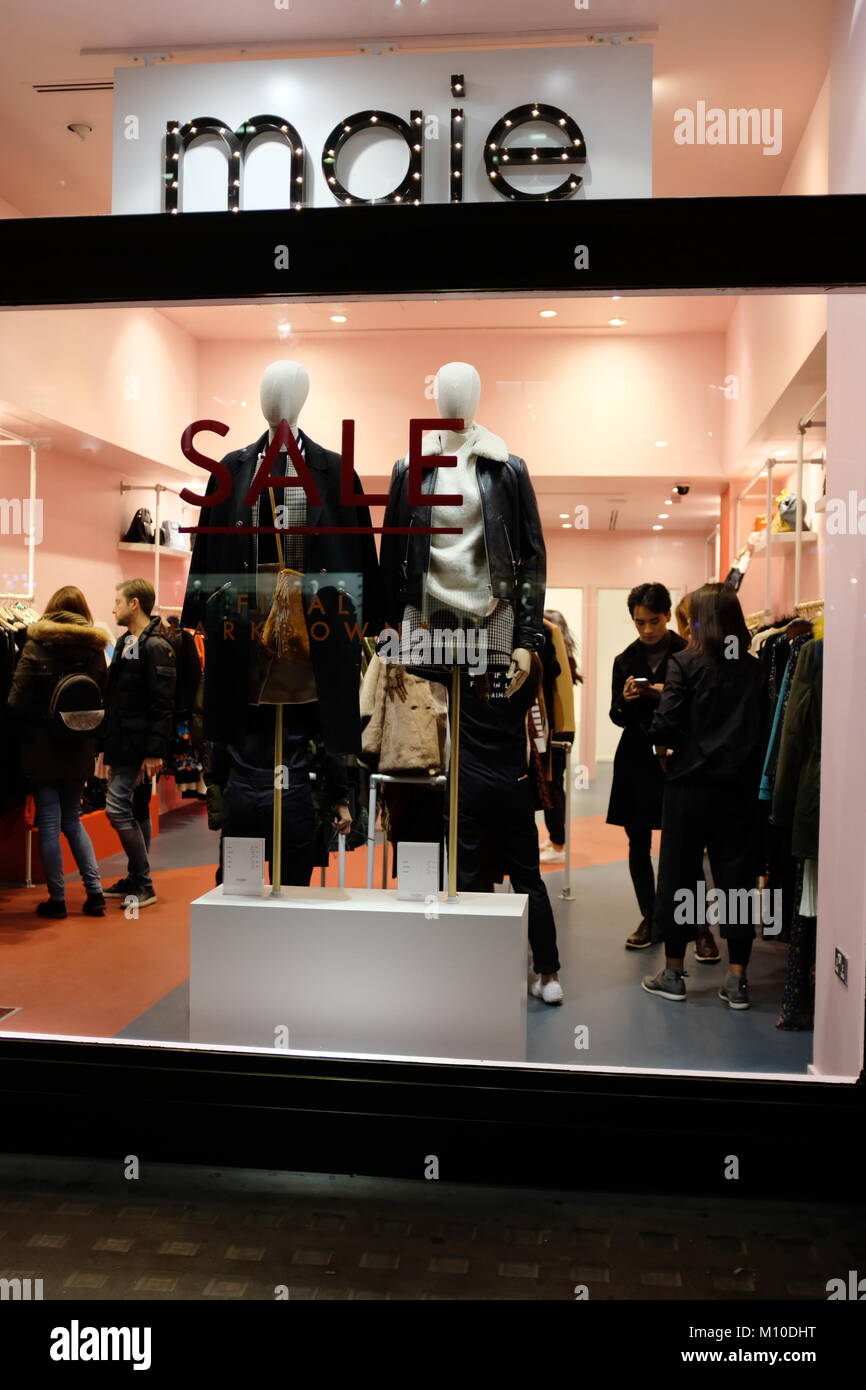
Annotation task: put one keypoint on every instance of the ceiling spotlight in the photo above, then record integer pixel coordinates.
(563, 516)
(566, 526)
(547, 314)
(658, 528)
(661, 443)
(284, 330)
(616, 296)
(339, 318)
(616, 323)
(663, 516)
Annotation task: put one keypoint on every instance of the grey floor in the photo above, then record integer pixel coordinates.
(183, 1233)
(620, 1023)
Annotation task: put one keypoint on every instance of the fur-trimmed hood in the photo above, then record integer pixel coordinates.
(484, 442)
(67, 629)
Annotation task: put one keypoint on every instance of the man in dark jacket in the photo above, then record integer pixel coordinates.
(638, 781)
(139, 701)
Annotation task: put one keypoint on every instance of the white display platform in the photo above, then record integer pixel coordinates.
(357, 970)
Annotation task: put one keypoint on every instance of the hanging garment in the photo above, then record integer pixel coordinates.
(768, 775)
(797, 790)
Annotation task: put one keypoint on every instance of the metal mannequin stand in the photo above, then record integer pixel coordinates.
(566, 891)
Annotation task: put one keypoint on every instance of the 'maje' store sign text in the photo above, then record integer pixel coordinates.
(529, 124)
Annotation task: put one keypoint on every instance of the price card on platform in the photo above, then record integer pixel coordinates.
(243, 865)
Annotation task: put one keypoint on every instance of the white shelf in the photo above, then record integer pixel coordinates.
(163, 549)
(783, 538)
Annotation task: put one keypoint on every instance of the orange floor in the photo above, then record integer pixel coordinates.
(93, 976)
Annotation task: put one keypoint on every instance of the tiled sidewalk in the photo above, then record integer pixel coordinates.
(183, 1233)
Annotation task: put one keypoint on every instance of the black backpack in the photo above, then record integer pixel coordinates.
(76, 707)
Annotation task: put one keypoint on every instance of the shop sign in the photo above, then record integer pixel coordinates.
(539, 124)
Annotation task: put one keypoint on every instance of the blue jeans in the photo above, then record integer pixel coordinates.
(58, 807)
(121, 815)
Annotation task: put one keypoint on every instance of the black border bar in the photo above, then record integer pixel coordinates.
(686, 244)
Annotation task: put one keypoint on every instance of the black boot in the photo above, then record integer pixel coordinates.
(52, 907)
(94, 905)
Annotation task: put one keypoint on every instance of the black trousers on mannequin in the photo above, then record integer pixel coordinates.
(253, 817)
(496, 834)
(721, 816)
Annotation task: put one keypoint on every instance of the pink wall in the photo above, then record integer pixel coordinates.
(123, 376)
(569, 404)
(83, 517)
(842, 875)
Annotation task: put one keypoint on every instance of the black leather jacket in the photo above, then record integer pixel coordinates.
(512, 532)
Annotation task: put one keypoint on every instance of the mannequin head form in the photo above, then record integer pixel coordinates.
(285, 386)
(458, 391)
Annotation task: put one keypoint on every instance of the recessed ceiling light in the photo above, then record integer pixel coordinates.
(563, 516)
(547, 314)
(339, 318)
(668, 502)
(616, 323)
(616, 296)
(663, 516)
(284, 330)
(566, 526)
(658, 528)
(661, 443)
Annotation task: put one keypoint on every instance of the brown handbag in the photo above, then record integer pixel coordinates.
(282, 672)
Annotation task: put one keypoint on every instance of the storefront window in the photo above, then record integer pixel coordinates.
(620, 869)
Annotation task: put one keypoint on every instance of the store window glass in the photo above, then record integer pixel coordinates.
(297, 756)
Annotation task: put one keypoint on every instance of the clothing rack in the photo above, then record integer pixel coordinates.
(809, 610)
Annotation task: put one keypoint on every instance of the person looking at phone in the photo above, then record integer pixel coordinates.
(638, 779)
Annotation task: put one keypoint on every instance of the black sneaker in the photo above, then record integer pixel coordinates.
(120, 889)
(140, 895)
(94, 905)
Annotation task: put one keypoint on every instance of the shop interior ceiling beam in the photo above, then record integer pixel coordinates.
(147, 55)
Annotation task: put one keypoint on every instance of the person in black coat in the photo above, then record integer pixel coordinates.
(222, 595)
(638, 782)
(139, 725)
(712, 715)
(57, 763)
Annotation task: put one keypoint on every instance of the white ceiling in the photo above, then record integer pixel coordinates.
(737, 53)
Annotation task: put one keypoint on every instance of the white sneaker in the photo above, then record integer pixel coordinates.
(549, 855)
(551, 993)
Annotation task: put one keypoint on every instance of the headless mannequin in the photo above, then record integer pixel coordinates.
(458, 391)
(284, 389)
(283, 392)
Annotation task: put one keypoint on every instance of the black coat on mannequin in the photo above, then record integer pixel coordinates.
(230, 620)
(513, 536)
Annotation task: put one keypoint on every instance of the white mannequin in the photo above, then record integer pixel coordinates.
(284, 389)
(458, 391)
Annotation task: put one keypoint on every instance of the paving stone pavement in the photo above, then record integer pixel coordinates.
(187, 1233)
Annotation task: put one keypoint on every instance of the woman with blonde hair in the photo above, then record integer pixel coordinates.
(58, 759)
